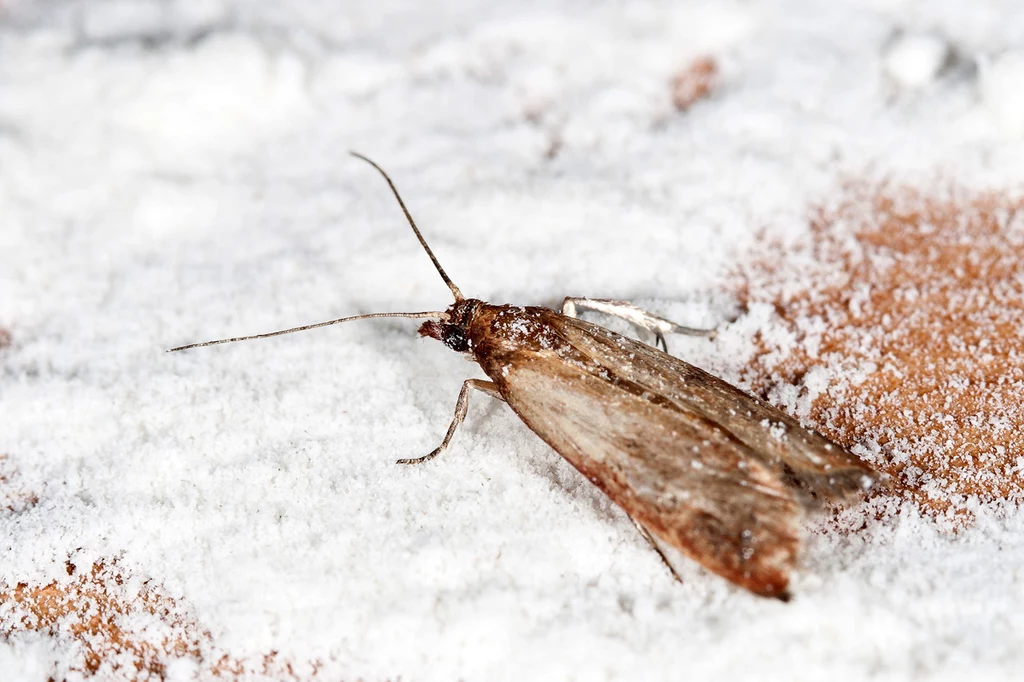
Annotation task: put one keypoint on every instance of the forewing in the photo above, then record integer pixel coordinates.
(817, 466)
(688, 481)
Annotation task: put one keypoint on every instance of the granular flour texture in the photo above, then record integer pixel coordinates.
(899, 326)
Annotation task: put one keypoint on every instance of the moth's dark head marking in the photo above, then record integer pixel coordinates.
(449, 334)
(453, 328)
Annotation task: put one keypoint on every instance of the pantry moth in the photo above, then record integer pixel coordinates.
(699, 465)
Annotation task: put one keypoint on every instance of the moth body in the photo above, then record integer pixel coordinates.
(705, 467)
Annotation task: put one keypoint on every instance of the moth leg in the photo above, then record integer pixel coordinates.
(461, 405)
(654, 545)
(637, 317)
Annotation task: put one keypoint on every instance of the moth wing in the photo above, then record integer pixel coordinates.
(817, 466)
(688, 481)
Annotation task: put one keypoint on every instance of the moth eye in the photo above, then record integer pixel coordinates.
(455, 338)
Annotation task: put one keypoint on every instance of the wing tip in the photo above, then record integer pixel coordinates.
(784, 597)
(781, 594)
(840, 484)
(773, 584)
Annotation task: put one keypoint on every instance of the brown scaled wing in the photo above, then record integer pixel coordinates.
(705, 467)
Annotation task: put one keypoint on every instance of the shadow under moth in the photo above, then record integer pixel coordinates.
(697, 464)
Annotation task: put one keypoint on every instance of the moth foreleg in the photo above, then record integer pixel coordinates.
(654, 545)
(461, 405)
(638, 317)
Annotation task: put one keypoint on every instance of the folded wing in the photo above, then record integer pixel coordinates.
(817, 466)
(705, 467)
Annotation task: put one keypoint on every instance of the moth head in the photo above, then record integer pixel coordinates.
(452, 329)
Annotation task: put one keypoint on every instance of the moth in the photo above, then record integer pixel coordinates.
(697, 464)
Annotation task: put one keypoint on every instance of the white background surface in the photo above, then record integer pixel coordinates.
(177, 171)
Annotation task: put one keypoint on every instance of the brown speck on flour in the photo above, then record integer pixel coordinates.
(694, 82)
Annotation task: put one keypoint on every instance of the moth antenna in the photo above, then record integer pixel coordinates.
(431, 314)
(412, 223)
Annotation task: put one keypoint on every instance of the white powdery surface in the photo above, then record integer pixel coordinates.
(176, 171)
